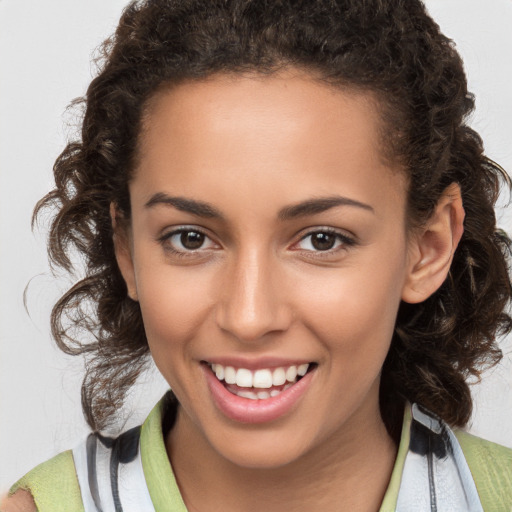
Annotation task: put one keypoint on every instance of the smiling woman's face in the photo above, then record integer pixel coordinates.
(267, 238)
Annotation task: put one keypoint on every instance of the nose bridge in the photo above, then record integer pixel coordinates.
(253, 303)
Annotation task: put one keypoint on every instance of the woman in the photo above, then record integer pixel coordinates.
(282, 204)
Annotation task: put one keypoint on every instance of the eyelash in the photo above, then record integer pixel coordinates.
(164, 240)
(344, 242)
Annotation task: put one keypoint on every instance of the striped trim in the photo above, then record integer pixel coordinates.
(110, 474)
(436, 476)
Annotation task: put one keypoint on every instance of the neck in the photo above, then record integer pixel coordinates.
(351, 469)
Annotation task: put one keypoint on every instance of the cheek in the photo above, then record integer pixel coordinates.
(353, 310)
(173, 302)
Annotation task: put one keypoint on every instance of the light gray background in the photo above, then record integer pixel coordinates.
(45, 54)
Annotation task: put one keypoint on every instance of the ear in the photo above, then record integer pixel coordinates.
(432, 249)
(123, 251)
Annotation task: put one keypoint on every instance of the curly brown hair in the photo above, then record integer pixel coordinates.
(391, 48)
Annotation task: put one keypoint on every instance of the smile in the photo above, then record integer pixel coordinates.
(260, 384)
(259, 395)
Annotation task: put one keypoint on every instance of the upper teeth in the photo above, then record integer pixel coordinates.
(263, 378)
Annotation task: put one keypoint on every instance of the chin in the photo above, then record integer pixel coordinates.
(269, 448)
(258, 457)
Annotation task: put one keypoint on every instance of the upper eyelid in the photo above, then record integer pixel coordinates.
(325, 229)
(170, 231)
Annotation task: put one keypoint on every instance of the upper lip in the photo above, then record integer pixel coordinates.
(256, 363)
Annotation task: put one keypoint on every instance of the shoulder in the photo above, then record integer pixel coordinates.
(21, 501)
(53, 486)
(491, 467)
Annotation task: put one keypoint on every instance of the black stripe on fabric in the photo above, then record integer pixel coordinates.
(424, 441)
(107, 442)
(127, 445)
(124, 450)
(91, 471)
(431, 481)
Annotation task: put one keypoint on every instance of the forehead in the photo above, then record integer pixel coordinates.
(289, 134)
(293, 103)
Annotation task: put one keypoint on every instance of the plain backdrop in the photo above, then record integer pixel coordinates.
(45, 61)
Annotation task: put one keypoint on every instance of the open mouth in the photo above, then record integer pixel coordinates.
(260, 384)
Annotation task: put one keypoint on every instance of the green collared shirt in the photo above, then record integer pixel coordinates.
(55, 487)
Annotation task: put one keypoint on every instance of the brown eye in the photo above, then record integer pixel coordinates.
(323, 241)
(187, 241)
(191, 240)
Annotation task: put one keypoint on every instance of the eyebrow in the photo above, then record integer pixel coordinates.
(302, 209)
(319, 205)
(198, 208)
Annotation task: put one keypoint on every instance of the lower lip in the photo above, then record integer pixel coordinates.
(245, 410)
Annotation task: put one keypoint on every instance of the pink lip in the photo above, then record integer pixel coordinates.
(245, 410)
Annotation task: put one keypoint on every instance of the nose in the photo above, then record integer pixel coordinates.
(253, 299)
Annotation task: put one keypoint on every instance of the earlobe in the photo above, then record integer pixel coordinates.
(432, 249)
(123, 252)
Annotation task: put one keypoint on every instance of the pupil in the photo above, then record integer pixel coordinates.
(192, 239)
(323, 241)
